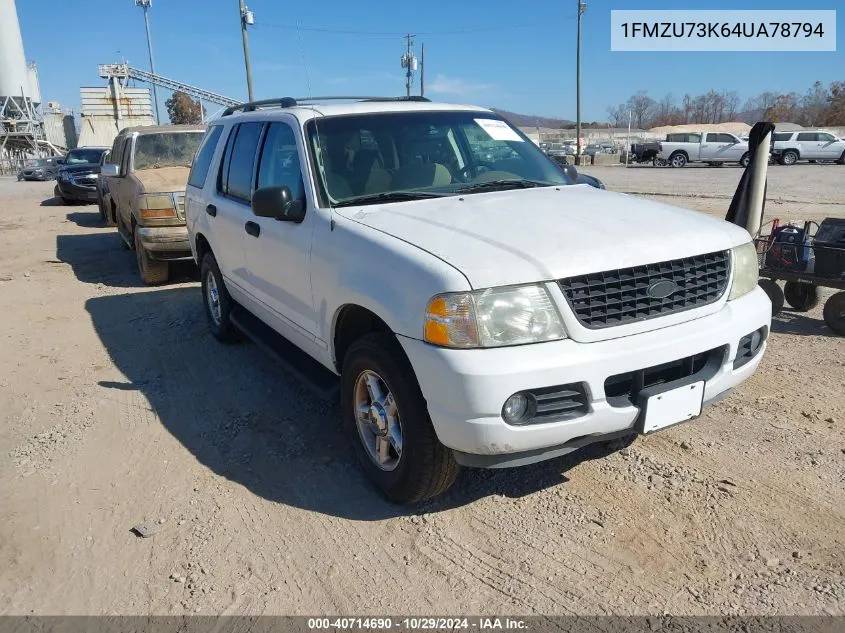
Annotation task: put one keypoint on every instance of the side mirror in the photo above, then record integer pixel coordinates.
(109, 169)
(276, 202)
(571, 173)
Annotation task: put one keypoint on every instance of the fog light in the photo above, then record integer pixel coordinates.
(518, 408)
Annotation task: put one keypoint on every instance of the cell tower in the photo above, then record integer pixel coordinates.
(410, 63)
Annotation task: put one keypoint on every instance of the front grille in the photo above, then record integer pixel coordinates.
(624, 389)
(616, 297)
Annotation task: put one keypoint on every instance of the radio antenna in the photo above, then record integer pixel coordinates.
(320, 162)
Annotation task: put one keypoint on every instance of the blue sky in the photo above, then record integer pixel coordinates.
(528, 67)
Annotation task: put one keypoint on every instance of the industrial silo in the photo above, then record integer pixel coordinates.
(14, 76)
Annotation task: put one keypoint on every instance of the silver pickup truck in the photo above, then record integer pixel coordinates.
(713, 148)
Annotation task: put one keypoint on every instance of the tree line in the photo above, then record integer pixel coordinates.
(820, 106)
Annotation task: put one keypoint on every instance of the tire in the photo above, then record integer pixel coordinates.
(220, 325)
(678, 160)
(789, 157)
(776, 296)
(103, 213)
(746, 158)
(834, 313)
(153, 272)
(108, 212)
(841, 160)
(423, 467)
(801, 296)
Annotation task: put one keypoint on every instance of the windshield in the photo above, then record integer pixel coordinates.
(36, 162)
(420, 154)
(175, 149)
(82, 156)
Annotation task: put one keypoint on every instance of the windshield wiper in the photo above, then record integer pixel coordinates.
(501, 185)
(387, 196)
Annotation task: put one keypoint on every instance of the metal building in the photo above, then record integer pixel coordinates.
(106, 110)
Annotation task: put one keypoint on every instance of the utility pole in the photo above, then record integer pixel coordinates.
(422, 70)
(145, 4)
(582, 6)
(247, 18)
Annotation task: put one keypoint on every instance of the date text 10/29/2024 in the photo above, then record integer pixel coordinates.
(416, 624)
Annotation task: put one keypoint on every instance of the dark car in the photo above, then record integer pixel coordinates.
(41, 168)
(77, 179)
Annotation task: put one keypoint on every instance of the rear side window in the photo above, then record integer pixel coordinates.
(236, 171)
(202, 161)
(808, 136)
(782, 136)
(279, 163)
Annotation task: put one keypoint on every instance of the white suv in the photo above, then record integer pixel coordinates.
(478, 307)
(790, 147)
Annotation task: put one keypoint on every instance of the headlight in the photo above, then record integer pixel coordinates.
(745, 269)
(494, 317)
(157, 205)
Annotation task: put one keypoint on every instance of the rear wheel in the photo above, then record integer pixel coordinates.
(386, 418)
(153, 272)
(834, 313)
(771, 287)
(216, 301)
(801, 296)
(678, 160)
(789, 157)
(746, 158)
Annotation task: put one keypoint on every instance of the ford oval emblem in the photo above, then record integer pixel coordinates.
(662, 289)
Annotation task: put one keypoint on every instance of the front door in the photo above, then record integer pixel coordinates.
(278, 253)
(829, 148)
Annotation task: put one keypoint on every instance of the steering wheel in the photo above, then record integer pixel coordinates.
(463, 172)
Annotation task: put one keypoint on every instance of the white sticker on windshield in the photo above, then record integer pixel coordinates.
(498, 130)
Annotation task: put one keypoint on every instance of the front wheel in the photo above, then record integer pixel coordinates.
(743, 162)
(841, 160)
(386, 418)
(834, 313)
(153, 272)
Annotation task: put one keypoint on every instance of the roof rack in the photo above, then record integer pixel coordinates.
(290, 102)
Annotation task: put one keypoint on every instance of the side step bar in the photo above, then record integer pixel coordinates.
(324, 383)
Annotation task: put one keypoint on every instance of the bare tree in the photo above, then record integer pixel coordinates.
(814, 105)
(618, 115)
(642, 107)
(731, 104)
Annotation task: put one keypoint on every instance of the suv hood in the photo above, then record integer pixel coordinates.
(529, 235)
(81, 168)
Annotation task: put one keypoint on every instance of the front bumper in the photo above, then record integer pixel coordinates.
(465, 389)
(72, 191)
(165, 242)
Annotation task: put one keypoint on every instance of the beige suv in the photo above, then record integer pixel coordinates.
(144, 194)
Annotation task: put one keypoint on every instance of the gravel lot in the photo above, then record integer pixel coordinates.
(117, 408)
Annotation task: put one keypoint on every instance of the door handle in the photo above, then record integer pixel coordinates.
(211, 210)
(253, 229)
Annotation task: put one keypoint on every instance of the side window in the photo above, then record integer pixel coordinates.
(237, 168)
(827, 138)
(807, 136)
(202, 161)
(116, 147)
(693, 138)
(279, 162)
(782, 136)
(713, 138)
(124, 159)
(727, 138)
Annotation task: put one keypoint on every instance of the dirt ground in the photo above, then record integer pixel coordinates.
(118, 408)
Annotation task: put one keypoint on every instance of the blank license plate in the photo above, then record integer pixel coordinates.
(673, 406)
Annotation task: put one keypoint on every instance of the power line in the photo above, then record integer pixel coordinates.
(398, 34)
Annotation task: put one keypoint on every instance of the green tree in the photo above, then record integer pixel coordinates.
(182, 109)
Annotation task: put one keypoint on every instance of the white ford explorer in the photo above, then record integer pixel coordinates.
(479, 308)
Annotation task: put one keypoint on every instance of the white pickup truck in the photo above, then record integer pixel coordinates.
(713, 148)
(475, 311)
